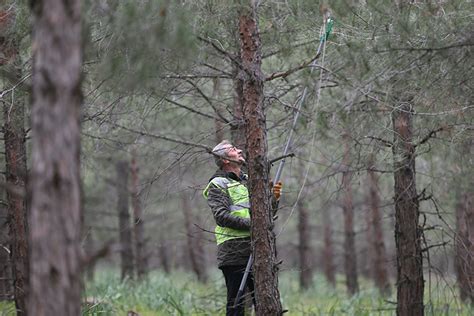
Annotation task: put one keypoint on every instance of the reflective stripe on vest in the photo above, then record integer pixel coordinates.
(239, 207)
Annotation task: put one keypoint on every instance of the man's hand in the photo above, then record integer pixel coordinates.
(277, 190)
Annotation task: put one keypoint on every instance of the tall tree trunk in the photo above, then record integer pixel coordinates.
(55, 184)
(164, 252)
(464, 240)
(263, 239)
(350, 257)
(125, 229)
(15, 169)
(306, 269)
(408, 234)
(195, 250)
(328, 251)
(376, 240)
(138, 227)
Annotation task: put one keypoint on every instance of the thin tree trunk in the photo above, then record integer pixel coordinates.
(328, 249)
(464, 240)
(164, 253)
(350, 257)
(304, 249)
(263, 239)
(90, 251)
(408, 234)
(470, 237)
(367, 259)
(15, 170)
(461, 259)
(55, 185)
(376, 241)
(306, 269)
(195, 249)
(125, 229)
(138, 227)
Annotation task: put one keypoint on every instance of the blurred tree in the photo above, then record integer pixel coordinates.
(464, 241)
(378, 260)
(125, 225)
(55, 208)
(350, 253)
(138, 220)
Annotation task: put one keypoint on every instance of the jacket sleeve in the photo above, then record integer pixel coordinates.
(219, 202)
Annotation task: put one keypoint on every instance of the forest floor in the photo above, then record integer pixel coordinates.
(179, 293)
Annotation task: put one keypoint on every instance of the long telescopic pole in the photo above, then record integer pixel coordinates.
(324, 37)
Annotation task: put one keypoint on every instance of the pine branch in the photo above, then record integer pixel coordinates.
(166, 138)
(193, 110)
(288, 72)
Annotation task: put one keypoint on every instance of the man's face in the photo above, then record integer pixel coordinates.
(235, 155)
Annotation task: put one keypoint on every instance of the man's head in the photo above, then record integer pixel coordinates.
(227, 155)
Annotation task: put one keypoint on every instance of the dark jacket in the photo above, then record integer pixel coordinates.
(234, 252)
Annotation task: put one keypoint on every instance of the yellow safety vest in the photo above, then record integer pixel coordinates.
(240, 206)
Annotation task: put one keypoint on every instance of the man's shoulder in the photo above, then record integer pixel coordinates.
(221, 181)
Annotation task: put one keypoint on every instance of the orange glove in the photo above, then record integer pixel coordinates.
(277, 190)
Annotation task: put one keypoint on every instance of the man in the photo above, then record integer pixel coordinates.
(228, 198)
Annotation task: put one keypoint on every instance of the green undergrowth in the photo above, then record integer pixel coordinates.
(180, 294)
(7, 308)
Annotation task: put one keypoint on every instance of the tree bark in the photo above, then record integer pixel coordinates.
(328, 251)
(350, 256)
(195, 250)
(408, 234)
(125, 229)
(55, 185)
(376, 241)
(15, 170)
(138, 227)
(263, 239)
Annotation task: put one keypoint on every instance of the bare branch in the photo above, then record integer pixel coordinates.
(385, 142)
(434, 246)
(193, 110)
(430, 135)
(285, 74)
(169, 139)
(208, 100)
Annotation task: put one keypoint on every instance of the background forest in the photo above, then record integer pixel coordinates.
(383, 148)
